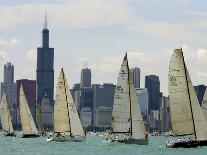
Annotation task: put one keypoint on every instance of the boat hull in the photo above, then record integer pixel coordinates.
(9, 134)
(29, 136)
(66, 138)
(132, 141)
(187, 144)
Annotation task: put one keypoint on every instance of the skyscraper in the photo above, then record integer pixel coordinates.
(85, 78)
(135, 72)
(200, 90)
(45, 71)
(152, 83)
(8, 86)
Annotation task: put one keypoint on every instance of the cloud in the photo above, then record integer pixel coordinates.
(3, 57)
(31, 54)
(73, 14)
(9, 42)
(165, 30)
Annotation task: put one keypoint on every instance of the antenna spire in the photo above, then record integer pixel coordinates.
(45, 22)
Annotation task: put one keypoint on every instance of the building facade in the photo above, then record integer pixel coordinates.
(142, 96)
(8, 86)
(103, 104)
(85, 78)
(165, 114)
(135, 72)
(45, 68)
(152, 83)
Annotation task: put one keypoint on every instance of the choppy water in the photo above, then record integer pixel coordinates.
(92, 146)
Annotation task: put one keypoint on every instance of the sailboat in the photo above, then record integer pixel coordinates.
(67, 125)
(127, 122)
(6, 117)
(29, 129)
(204, 105)
(186, 114)
(39, 121)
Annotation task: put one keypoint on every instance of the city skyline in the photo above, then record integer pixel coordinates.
(85, 38)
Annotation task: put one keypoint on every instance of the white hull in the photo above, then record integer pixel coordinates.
(66, 138)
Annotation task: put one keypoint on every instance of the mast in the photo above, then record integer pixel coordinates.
(189, 96)
(129, 96)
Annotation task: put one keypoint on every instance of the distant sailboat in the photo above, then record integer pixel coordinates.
(29, 129)
(6, 117)
(186, 114)
(67, 125)
(204, 105)
(127, 122)
(39, 121)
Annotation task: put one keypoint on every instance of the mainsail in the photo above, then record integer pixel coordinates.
(28, 125)
(186, 114)
(121, 115)
(126, 115)
(66, 118)
(5, 115)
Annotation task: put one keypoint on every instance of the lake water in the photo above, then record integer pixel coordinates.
(91, 146)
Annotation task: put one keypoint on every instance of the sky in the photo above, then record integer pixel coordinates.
(97, 33)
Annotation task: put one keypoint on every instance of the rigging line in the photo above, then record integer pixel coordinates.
(67, 102)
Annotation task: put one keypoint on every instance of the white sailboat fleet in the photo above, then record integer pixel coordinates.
(6, 121)
(29, 129)
(127, 122)
(186, 114)
(67, 125)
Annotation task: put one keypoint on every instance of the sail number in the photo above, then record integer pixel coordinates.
(173, 80)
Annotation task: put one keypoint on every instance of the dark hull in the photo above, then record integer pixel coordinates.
(30, 136)
(133, 141)
(187, 144)
(9, 134)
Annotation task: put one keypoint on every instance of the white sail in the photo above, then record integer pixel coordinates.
(28, 125)
(199, 120)
(5, 115)
(204, 105)
(39, 121)
(138, 128)
(75, 123)
(66, 118)
(61, 113)
(181, 116)
(121, 119)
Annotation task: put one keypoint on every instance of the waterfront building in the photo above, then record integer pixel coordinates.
(85, 78)
(135, 72)
(152, 83)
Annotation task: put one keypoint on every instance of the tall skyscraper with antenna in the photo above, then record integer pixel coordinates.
(45, 67)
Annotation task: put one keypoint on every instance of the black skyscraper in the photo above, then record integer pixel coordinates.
(200, 90)
(45, 71)
(152, 83)
(85, 78)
